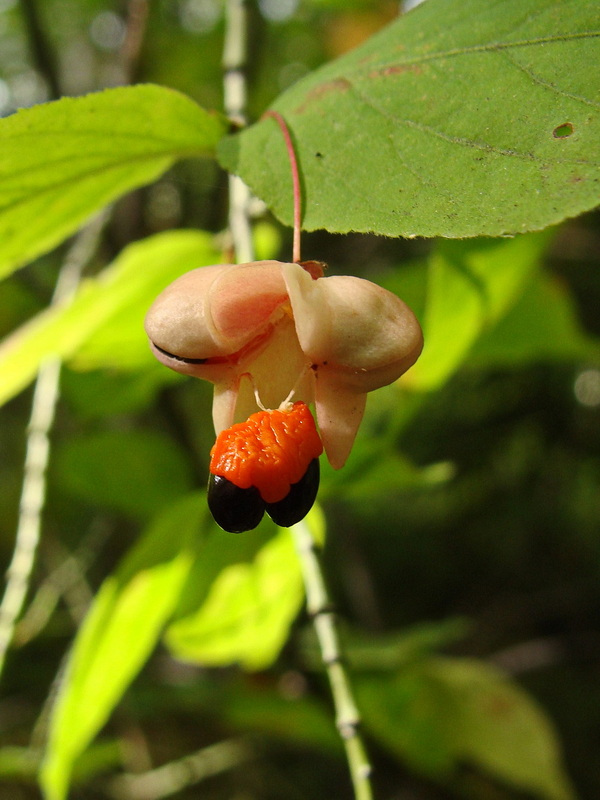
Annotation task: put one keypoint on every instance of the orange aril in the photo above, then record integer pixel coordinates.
(270, 451)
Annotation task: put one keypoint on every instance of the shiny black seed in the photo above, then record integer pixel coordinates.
(299, 500)
(235, 510)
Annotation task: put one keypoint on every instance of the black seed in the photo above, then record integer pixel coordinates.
(299, 500)
(235, 510)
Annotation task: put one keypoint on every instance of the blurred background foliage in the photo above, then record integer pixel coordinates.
(466, 522)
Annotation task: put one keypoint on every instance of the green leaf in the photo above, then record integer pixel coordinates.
(107, 393)
(403, 712)
(104, 324)
(459, 119)
(346, 5)
(541, 326)
(247, 614)
(471, 286)
(219, 552)
(140, 273)
(118, 635)
(443, 713)
(135, 471)
(376, 471)
(281, 711)
(495, 724)
(62, 161)
(391, 650)
(18, 302)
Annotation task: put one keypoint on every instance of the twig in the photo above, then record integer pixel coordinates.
(41, 51)
(38, 448)
(177, 775)
(66, 580)
(135, 29)
(234, 99)
(347, 714)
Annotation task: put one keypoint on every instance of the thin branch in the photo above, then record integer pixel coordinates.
(33, 491)
(66, 579)
(234, 99)
(178, 775)
(347, 714)
(41, 50)
(135, 30)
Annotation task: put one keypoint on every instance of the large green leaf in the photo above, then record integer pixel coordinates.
(62, 161)
(493, 723)
(541, 326)
(119, 633)
(459, 119)
(443, 713)
(103, 325)
(471, 285)
(247, 614)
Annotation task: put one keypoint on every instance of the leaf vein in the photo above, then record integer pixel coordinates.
(460, 140)
(477, 48)
(547, 84)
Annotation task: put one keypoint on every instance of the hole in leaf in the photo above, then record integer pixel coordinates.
(563, 131)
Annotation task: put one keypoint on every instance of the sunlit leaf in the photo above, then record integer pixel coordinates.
(62, 161)
(219, 552)
(470, 286)
(541, 326)
(459, 119)
(117, 636)
(246, 616)
(104, 324)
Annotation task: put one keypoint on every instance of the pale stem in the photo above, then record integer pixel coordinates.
(347, 714)
(234, 100)
(33, 492)
(178, 775)
(67, 580)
